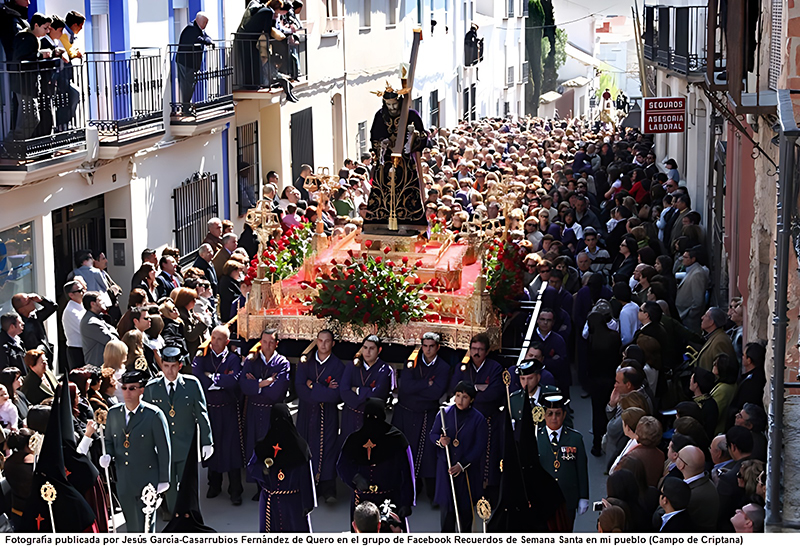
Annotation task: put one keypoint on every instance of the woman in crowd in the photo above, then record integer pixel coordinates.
(11, 378)
(18, 470)
(194, 328)
(230, 288)
(147, 272)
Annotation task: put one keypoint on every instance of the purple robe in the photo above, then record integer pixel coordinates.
(260, 399)
(224, 403)
(488, 403)
(472, 436)
(392, 479)
(555, 357)
(287, 497)
(374, 383)
(318, 414)
(421, 388)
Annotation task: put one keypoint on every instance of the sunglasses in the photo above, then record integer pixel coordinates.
(80, 291)
(130, 388)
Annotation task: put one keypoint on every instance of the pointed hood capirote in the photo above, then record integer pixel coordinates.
(376, 441)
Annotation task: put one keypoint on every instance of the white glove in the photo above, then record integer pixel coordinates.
(163, 486)
(208, 451)
(583, 506)
(105, 461)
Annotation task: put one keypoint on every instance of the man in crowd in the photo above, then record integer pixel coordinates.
(214, 235)
(95, 332)
(554, 349)
(167, 279)
(71, 321)
(189, 59)
(229, 243)
(12, 350)
(691, 297)
(35, 310)
(717, 341)
(205, 255)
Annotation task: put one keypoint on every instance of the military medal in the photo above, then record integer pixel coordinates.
(126, 444)
(455, 442)
(538, 414)
(172, 412)
(556, 464)
(281, 475)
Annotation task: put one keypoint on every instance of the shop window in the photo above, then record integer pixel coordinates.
(16, 264)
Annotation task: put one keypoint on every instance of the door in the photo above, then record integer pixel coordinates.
(302, 141)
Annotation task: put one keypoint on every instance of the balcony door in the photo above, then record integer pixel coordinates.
(302, 131)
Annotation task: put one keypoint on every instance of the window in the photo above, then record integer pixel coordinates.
(416, 104)
(180, 18)
(510, 11)
(510, 76)
(365, 15)
(363, 144)
(433, 108)
(523, 73)
(391, 16)
(506, 108)
(419, 12)
(332, 8)
(17, 272)
(195, 204)
(247, 168)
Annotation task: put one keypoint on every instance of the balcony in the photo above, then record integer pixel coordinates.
(202, 87)
(736, 69)
(42, 116)
(264, 64)
(125, 97)
(675, 39)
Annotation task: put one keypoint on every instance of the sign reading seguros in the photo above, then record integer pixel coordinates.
(664, 115)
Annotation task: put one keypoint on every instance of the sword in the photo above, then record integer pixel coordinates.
(452, 480)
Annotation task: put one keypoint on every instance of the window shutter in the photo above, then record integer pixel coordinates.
(99, 7)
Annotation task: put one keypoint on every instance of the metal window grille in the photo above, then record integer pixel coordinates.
(249, 180)
(506, 108)
(195, 204)
(510, 76)
(433, 106)
(510, 10)
(775, 53)
(523, 73)
(363, 144)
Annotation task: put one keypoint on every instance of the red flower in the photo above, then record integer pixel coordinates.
(351, 253)
(390, 263)
(409, 289)
(498, 267)
(387, 249)
(419, 263)
(405, 307)
(333, 262)
(431, 306)
(405, 259)
(423, 297)
(367, 243)
(357, 299)
(272, 269)
(352, 287)
(378, 259)
(417, 280)
(438, 300)
(364, 281)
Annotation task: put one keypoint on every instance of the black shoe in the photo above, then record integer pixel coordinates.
(237, 500)
(212, 492)
(256, 496)
(597, 452)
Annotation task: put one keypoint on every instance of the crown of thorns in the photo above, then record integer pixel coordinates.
(391, 91)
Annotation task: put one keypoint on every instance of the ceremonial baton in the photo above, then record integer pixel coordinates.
(151, 502)
(48, 493)
(100, 417)
(452, 480)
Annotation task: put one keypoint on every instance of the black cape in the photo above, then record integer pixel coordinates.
(82, 473)
(283, 444)
(187, 517)
(387, 439)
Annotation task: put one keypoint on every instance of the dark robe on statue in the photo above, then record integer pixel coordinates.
(488, 402)
(471, 434)
(410, 207)
(281, 466)
(421, 387)
(373, 383)
(318, 414)
(224, 401)
(376, 462)
(261, 399)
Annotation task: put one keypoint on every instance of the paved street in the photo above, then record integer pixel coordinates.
(224, 517)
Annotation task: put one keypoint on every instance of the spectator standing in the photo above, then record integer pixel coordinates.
(205, 255)
(71, 321)
(40, 384)
(27, 84)
(214, 235)
(691, 295)
(717, 341)
(189, 58)
(13, 20)
(305, 172)
(94, 278)
(34, 335)
(229, 243)
(753, 380)
(95, 332)
(674, 499)
(167, 279)
(148, 256)
(74, 21)
(12, 349)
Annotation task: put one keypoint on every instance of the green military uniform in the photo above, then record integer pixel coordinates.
(528, 368)
(141, 450)
(184, 410)
(566, 462)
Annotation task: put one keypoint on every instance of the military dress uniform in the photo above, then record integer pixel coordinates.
(563, 456)
(184, 406)
(517, 399)
(141, 451)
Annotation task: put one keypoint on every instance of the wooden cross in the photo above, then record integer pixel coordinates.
(369, 445)
(276, 448)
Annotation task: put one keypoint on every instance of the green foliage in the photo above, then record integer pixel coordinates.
(561, 48)
(607, 81)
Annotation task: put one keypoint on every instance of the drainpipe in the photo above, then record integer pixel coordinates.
(789, 132)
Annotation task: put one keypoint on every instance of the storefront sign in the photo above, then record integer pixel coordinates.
(664, 115)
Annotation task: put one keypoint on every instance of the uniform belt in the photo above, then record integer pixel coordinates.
(370, 492)
(292, 492)
(354, 409)
(256, 404)
(220, 405)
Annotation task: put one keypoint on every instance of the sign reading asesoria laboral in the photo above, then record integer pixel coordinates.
(664, 115)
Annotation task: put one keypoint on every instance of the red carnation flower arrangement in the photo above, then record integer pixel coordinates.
(283, 257)
(368, 292)
(505, 273)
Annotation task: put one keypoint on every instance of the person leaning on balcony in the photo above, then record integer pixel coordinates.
(189, 59)
(74, 21)
(26, 82)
